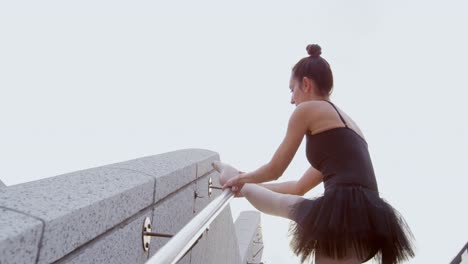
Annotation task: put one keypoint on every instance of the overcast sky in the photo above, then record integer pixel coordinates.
(89, 83)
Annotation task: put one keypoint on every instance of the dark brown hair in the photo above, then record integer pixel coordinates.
(316, 68)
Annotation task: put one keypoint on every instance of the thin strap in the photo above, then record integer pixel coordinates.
(346, 125)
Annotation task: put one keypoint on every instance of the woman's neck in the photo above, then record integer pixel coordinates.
(319, 98)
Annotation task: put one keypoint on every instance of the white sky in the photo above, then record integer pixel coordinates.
(89, 83)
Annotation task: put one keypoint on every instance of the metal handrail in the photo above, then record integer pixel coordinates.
(181, 242)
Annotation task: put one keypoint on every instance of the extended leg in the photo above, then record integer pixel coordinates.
(270, 202)
(263, 199)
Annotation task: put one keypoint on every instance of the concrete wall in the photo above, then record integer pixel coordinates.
(249, 235)
(96, 215)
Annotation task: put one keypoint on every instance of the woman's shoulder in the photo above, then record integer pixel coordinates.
(321, 116)
(309, 112)
(314, 106)
(306, 108)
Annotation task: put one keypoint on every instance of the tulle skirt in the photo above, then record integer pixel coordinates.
(347, 217)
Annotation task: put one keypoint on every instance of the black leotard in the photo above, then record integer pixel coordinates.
(351, 211)
(341, 151)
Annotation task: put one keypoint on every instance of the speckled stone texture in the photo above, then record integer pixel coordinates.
(120, 245)
(219, 243)
(19, 237)
(2, 184)
(79, 206)
(249, 236)
(201, 187)
(170, 215)
(172, 170)
(96, 215)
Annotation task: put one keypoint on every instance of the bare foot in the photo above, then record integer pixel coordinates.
(226, 170)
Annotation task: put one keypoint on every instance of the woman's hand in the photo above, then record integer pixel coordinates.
(229, 177)
(237, 191)
(235, 184)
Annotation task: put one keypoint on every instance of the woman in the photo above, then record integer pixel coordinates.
(349, 223)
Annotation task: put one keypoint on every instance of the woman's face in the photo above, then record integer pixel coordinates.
(297, 94)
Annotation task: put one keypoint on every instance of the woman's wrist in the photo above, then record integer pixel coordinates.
(243, 177)
(252, 177)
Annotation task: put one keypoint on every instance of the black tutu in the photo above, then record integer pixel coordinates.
(350, 217)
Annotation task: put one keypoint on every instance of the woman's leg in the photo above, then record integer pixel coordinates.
(263, 199)
(278, 204)
(270, 202)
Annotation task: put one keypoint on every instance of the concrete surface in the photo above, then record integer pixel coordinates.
(96, 215)
(249, 236)
(19, 237)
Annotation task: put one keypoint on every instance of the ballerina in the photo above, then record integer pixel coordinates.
(350, 222)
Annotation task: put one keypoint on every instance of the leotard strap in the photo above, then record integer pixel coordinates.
(342, 119)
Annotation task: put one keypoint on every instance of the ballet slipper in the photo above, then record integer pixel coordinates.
(226, 171)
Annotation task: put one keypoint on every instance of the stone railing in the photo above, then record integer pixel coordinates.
(97, 215)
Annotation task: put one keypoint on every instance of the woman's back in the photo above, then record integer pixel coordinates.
(341, 155)
(331, 117)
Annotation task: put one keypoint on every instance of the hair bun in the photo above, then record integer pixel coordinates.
(314, 50)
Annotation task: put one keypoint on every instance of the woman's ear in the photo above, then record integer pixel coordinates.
(306, 84)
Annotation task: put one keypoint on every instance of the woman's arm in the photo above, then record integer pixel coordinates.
(311, 178)
(297, 127)
(289, 187)
(308, 181)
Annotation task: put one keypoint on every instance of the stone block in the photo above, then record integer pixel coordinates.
(170, 215)
(19, 237)
(204, 165)
(201, 186)
(248, 234)
(219, 243)
(256, 248)
(2, 184)
(96, 215)
(120, 245)
(172, 170)
(79, 206)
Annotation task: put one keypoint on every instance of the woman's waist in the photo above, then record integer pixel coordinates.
(332, 185)
(349, 176)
